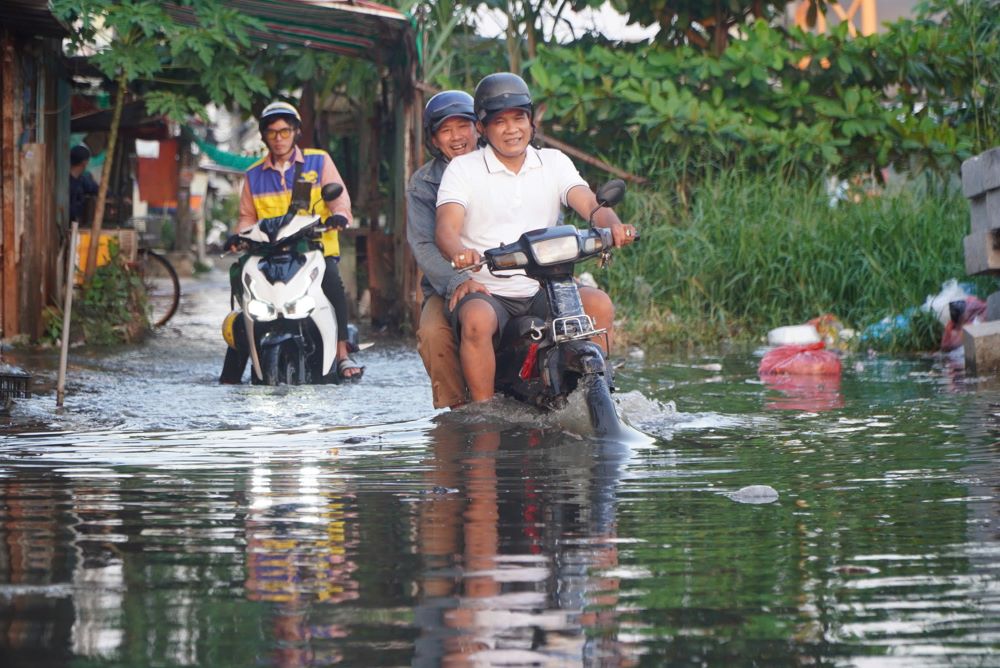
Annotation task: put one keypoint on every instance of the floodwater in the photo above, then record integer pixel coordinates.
(160, 519)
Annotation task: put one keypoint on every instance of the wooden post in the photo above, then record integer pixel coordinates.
(9, 323)
(185, 174)
(102, 193)
(67, 315)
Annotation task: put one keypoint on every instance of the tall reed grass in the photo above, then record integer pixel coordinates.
(741, 252)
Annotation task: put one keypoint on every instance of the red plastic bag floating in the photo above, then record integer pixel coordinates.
(808, 360)
(807, 377)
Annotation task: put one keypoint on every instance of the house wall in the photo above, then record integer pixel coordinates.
(34, 176)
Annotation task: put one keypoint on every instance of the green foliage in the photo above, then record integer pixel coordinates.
(949, 59)
(177, 66)
(696, 23)
(53, 326)
(113, 306)
(756, 250)
(225, 209)
(168, 235)
(922, 96)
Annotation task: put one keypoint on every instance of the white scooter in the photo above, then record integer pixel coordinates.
(288, 326)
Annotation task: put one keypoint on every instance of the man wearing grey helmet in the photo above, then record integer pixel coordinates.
(491, 197)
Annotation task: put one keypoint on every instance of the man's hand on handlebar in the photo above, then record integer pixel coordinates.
(465, 258)
(623, 234)
(337, 221)
(232, 243)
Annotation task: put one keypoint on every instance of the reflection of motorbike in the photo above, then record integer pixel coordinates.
(513, 555)
(288, 326)
(540, 362)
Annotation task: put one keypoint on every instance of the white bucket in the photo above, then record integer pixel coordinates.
(793, 335)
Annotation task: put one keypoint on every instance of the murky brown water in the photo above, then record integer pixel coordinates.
(161, 519)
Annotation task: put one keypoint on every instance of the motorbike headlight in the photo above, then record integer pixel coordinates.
(261, 310)
(300, 308)
(510, 260)
(555, 250)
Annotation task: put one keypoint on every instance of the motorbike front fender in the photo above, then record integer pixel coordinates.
(326, 322)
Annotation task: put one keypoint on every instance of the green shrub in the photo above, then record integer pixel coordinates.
(746, 251)
(113, 305)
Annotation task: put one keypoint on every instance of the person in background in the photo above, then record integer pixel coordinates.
(267, 193)
(449, 131)
(81, 184)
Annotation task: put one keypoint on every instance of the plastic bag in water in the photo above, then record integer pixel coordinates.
(808, 360)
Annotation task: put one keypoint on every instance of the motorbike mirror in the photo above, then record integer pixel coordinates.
(331, 191)
(611, 193)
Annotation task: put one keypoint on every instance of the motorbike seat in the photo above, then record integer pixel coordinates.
(518, 329)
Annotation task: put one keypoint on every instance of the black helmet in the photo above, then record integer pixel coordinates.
(499, 92)
(440, 108)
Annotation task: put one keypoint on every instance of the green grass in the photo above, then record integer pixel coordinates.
(740, 253)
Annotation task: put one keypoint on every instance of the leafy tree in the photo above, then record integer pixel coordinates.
(922, 95)
(177, 60)
(704, 25)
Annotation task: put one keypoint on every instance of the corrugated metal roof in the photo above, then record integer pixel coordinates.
(355, 28)
(30, 17)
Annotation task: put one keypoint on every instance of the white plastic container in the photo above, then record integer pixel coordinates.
(793, 335)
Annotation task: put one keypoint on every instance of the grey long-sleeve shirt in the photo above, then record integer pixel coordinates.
(421, 217)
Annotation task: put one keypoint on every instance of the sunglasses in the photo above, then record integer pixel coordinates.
(284, 133)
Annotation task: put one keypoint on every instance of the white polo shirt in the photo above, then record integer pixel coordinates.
(500, 205)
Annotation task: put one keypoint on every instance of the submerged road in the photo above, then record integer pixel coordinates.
(170, 381)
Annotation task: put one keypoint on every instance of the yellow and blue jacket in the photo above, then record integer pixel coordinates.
(272, 191)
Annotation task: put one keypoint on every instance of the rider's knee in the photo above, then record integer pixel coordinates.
(478, 320)
(597, 303)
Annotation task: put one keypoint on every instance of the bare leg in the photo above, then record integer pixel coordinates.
(598, 306)
(479, 323)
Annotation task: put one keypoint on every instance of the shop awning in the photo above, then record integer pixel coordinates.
(354, 28)
(31, 17)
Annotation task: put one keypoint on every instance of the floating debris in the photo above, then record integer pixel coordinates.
(755, 494)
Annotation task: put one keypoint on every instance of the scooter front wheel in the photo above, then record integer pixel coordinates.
(603, 415)
(280, 366)
(289, 367)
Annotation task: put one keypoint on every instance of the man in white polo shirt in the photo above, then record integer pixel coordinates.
(492, 196)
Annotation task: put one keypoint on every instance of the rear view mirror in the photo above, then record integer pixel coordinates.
(611, 193)
(332, 191)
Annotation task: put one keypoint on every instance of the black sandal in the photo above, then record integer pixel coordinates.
(347, 364)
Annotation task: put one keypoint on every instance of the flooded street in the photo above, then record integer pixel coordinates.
(162, 519)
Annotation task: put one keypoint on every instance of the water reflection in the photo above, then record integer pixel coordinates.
(514, 541)
(498, 539)
(804, 393)
(297, 541)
